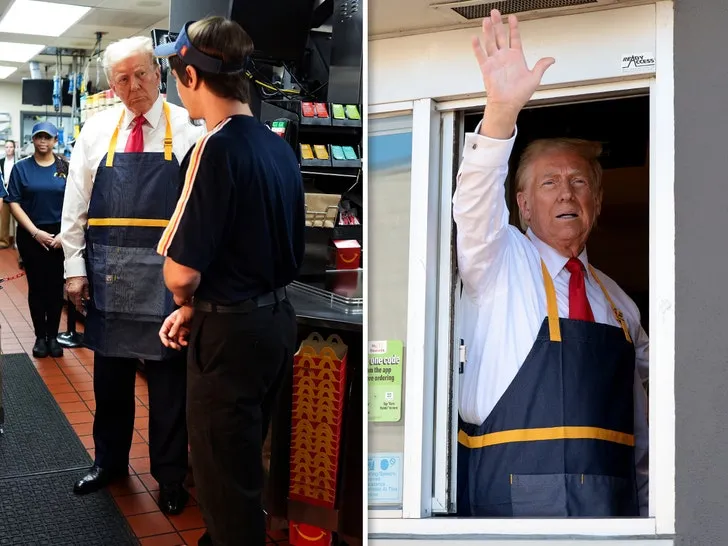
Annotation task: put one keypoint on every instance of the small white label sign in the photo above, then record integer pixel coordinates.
(385, 478)
(638, 62)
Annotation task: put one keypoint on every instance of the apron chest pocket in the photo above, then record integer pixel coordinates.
(569, 495)
(129, 281)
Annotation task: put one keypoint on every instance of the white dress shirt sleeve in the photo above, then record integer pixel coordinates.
(79, 184)
(479, 209)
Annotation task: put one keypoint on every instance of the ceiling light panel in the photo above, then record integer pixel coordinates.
(18, 53)
(41, 18)
(5, 71)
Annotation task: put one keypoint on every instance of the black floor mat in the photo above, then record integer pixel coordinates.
(43, 510)
(37, 438)
(40, 458)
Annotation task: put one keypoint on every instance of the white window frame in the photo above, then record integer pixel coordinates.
(425, 271)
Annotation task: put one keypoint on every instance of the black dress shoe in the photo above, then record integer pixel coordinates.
(40, 349)
(205, 540)
(54, 348)
(172, 498)
(97, 478)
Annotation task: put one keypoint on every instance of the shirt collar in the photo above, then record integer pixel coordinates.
(554, 261)
(152, 116)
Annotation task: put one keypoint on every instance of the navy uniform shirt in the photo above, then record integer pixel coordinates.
(38, 190)
(241, 215)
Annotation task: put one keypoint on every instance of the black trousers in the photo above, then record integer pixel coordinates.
(114, 380)
(44, 270)
(236, 364)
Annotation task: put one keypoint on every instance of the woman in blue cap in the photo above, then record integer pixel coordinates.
(35, 194)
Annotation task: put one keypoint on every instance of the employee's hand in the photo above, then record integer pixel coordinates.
(44, 238)
(56, 241)
(176, 328)
(506, 77)
(77, 290)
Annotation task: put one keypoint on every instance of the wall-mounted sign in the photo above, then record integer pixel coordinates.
(385, 478)
(638, 62)
(385, 381)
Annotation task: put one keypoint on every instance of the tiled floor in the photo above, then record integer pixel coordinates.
(70, 379)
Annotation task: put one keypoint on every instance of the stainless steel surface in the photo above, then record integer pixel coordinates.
(345, 69)
(316, 311)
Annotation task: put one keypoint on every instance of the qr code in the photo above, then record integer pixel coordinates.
(389, 396)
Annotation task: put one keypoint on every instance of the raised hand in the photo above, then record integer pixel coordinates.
(508, 82)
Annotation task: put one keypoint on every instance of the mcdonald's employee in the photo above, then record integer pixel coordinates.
(122, 188)
(552, 403)
(244, 185)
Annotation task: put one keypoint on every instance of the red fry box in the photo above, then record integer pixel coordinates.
(317, 498)
(312, 446)
(315, 416)
(307, 479)
(334, 407)
(302, 534)
(315, 461)
(345, 254)
(331, 374)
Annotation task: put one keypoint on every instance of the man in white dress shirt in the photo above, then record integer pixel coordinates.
(123, 185)
(553, 418)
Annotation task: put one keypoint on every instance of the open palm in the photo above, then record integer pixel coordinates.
(507, 79)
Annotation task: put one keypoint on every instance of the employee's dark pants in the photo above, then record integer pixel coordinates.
(236, 365)
(114, 381)
(44, 270)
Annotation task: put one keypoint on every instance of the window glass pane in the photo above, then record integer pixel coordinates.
(390, 158)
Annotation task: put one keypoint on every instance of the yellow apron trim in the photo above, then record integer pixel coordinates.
(167, 137)
(540, 434)
(617, 313)
(551, 305)
(136, 222)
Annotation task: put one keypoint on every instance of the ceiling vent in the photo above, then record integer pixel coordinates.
(471, 10)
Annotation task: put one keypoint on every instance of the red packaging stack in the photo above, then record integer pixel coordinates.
(319, 386)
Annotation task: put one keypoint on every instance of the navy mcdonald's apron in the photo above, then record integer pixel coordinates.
(560, 441)
(133, 198)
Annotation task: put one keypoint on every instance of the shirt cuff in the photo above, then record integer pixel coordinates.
(482, 151)
(75, 267)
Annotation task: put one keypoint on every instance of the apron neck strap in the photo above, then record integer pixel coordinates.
(167, 137)
(617, 313)
(553, 309)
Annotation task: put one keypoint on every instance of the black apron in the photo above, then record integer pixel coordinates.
(560, 441)
(133, 198)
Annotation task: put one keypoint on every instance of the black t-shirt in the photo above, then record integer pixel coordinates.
(241, 215)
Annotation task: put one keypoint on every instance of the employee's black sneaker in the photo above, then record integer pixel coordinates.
(54, 348)
(70, 340)
(40, 349)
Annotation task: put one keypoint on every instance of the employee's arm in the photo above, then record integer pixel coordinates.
(79, 184)
(181, 280)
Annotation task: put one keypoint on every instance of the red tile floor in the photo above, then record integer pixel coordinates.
(70, 380)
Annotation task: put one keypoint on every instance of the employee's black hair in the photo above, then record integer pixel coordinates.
(61, 164)
(223, 39)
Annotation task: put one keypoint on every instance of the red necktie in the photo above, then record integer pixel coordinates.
(579, 308)
(135, 143)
